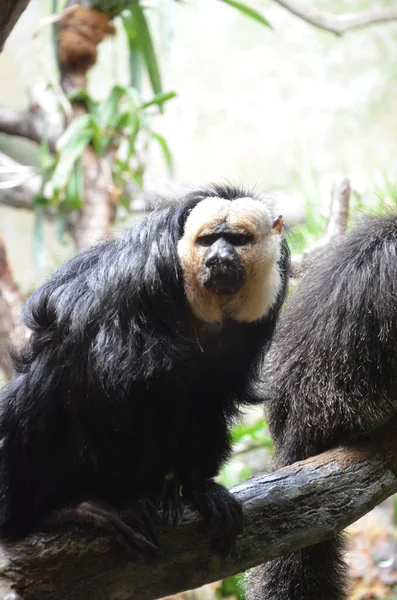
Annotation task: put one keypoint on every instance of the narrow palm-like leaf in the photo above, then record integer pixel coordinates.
(109, 107)
(39, 253)
(159, 99)
(135, 55)
(166, 151)
(77, 127)
(146, 46)
(248, 11)
(73, 192)
(68, 157)
(84, 96)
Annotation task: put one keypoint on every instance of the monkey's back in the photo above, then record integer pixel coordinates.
(331, 379)
(332, 370)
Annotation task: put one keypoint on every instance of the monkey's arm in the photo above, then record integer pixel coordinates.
(206, 448)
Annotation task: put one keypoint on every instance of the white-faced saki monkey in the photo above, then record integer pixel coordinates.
(142, 350)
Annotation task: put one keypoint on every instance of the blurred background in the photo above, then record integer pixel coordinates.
(104, 111)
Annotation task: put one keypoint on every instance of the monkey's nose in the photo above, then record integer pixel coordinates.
(220, 252)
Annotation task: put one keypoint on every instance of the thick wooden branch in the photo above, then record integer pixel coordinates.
(339, 24)
(285, 510)
(10, 11)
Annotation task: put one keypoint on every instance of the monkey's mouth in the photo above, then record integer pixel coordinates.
(223, 280)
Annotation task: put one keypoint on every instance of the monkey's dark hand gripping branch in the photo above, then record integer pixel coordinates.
(222, 513)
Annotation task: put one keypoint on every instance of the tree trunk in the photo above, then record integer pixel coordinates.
(11, 332)
(79, 33)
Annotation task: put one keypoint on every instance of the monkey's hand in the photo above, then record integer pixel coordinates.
(133, 529)
(223, 515)
(171, 505)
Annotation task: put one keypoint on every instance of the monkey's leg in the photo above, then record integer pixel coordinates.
(206, 448)
(313, 573)
(133, 529)
(171, 505)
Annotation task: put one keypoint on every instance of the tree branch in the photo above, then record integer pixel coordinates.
(29, 125)
(294, 507)
(337, 224)
(10, 11)
(339, 24)
(21, 195)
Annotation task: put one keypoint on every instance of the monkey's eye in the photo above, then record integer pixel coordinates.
(239, 239)
(235, 239)
(207, 240)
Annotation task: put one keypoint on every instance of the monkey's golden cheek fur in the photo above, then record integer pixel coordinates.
(258, 293)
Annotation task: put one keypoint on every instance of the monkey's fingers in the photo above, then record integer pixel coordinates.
(228, 527)
(144, 517)
(171, 505)
(136, 544)
(222, 513)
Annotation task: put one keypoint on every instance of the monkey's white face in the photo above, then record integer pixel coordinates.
(229, 254)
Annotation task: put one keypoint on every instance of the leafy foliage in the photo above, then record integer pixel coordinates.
(121, 125)
(231, 587)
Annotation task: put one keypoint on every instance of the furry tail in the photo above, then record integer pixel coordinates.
(313, 573)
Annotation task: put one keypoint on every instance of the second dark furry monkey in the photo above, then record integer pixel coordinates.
(332, 379)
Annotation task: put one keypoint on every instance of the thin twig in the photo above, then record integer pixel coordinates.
(339, 24)
(337, 224)
(47, 21)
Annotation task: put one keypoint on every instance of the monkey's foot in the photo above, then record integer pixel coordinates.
(137, 536)
(222, 513)
(171, 505)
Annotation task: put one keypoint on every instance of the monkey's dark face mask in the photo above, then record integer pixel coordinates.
(222, 272)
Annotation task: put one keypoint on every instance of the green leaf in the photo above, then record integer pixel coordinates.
(125, 202)
(135, 55)
(146, 46)
(160, 99)
(61, 226)
(166, 152)
(72, 152)
(39, 254)
(109, 107)
(47, 158)
(74, 188)
(249, 12)
(83, 96)
(134, 125)
(232, 587)
(121, 121)
(79, 126)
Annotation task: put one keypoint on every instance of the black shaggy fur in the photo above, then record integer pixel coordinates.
(332, 375)
(121, 396)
